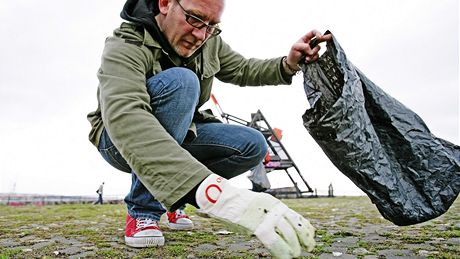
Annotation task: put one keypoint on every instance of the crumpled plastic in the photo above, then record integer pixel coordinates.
(383, 147)
(258, 175)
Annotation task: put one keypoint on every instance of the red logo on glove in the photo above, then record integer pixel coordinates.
(211, 200)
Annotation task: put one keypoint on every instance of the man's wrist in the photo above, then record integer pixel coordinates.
(288, 68)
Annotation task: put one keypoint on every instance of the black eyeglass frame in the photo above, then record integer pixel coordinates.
(212, 30)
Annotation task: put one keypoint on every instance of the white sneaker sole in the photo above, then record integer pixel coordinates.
(144, 241)
(175, 226)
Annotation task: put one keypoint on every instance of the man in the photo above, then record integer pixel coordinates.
(100, 191)
(156, 72)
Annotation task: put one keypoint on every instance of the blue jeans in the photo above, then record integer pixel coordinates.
(227, 150)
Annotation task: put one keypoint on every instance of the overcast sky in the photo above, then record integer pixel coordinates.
(50, 52)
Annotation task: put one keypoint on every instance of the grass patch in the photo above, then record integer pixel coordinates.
(9, 253)
(176, 250)
(343, 234)
(109, 253)
(189, 237)
(414, 239)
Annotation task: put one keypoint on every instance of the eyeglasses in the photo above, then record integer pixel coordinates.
(196, 22)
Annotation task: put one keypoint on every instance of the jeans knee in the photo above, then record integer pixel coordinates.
(259, 146)
(186, 75)
(175, 82)
(185, 80)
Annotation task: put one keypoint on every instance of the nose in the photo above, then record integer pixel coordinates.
(199, 33)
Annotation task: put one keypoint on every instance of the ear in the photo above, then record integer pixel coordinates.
(164, 6)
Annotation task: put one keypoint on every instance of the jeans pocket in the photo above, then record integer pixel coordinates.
(114, 158)
(111, 154)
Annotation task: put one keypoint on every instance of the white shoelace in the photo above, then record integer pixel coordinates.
(145, 222)
(180, 213)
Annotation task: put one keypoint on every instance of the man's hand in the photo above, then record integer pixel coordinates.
(280, 229)
(301, 49)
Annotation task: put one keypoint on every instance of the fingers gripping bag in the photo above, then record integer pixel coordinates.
(383, 147)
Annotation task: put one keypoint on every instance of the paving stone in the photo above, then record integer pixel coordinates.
(207, 247)
(333, 249)
(81, 238)
(304, 254)
(395, 252)
(29, 238)
(82, 255)
(346, 241)
(42, 244)
(417, 247)
(89, 248)
(453, 241)
(222, 243)
(63, 240)
(71, 250)
(424, 253)
(360, 251)
(241, 246)
(374, 238)
(9, 243)
(353, 222)
(336, 256)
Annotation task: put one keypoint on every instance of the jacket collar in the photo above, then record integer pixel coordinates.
(153, 37)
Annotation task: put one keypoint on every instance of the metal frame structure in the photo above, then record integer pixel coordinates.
(279, 157)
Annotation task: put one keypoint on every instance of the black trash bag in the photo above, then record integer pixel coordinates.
(382, 146)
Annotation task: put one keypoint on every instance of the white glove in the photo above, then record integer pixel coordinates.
(282, 230)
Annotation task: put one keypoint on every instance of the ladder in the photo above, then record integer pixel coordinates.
(278, 157)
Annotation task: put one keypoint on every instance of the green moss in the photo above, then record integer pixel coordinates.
(189, 237)
(452, 233)
(84, 232)
(414, 239)
(327, 239)
(109, 253)
(9, 253)
(205, 254)
(176, 250)
(343, 234)
(319, 249)
(151, 252)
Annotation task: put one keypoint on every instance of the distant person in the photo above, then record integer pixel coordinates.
(100, 191)
(330, 190)
(156, 72)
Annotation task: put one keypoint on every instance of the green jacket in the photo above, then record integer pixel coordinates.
(131, 56)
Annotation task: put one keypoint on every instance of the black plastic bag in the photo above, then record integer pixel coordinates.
(383, 147)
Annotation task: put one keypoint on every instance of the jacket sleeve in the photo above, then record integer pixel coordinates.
(236, 69)
(167, 171)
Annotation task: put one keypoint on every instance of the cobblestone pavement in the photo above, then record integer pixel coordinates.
(347, 227)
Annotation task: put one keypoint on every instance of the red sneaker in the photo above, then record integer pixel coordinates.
(178, 220)
(143, 232)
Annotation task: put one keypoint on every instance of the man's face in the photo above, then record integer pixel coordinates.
(183, 37)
